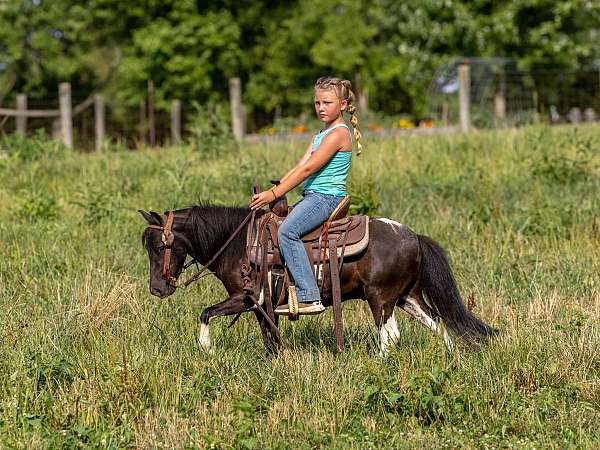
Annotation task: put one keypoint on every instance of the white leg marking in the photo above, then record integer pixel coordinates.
(204, 338)
(392, 223)
(411, 306)
(261, 295)
(388, 334)
(319, 271)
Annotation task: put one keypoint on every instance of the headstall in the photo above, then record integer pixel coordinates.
(167, 239)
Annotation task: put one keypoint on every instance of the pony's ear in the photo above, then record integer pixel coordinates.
(152, 218)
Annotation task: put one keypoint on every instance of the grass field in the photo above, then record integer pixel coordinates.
(89, 359)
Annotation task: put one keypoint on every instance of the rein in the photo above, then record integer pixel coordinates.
(168, 237)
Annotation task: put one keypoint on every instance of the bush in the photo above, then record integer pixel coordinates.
(364, 199)
(22, 148)
(562, 169)
(38, 206)
(211, 129)
(98, 205)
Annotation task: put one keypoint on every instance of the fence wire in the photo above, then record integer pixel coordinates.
(500, 95)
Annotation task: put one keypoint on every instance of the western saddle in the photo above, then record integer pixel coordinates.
(327, 245)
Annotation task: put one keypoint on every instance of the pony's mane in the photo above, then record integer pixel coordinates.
(211, 225)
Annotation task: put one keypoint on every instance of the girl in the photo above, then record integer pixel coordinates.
(323, 169)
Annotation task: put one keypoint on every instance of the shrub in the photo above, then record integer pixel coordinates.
(364, 199)
(211, 129)
(22, 148)
(98, 204)
(38, 206)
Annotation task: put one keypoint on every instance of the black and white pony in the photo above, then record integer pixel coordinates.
(398, 269)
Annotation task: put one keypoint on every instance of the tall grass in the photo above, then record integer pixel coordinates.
(88, 358)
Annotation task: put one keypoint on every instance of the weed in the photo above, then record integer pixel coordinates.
(211, 130)
(98, 204)
(364, 199)
(25, 149)
(38, 206)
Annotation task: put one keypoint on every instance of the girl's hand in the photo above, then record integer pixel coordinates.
(261, 199)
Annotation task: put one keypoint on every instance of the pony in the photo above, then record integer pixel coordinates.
(398, 269)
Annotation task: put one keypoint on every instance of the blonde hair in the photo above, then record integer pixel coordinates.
(343, 89)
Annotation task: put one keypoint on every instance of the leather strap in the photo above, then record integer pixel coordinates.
(283, 287)
(336, 293)
(264, 242)
(344, 238)
(196, 275)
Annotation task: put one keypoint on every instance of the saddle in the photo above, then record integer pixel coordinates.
(351, 235)
(338, 237)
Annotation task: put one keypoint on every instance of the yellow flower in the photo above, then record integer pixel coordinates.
(405, 123)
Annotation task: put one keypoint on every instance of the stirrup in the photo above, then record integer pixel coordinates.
(293, 303)
(291, 309)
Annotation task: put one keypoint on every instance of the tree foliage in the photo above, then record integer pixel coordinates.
(191, 47)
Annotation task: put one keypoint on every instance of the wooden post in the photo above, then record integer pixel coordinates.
(362, 93)
(445, 114)
(21, 120)
(237, 109)
(99, 120)
(56, 124)
(176, 122)
(151, 124)
(500, 97)
(66, 115)
(142, 125)
(464, 96)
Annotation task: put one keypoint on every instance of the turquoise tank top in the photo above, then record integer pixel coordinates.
(331, 178)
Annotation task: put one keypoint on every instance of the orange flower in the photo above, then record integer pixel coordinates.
(299, 129)
(375, 127)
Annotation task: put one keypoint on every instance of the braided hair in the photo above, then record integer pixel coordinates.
(343, 89)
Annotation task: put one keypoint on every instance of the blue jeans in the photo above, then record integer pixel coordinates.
(310, 212)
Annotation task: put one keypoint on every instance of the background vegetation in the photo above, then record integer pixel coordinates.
(88, 358)
(191, 47)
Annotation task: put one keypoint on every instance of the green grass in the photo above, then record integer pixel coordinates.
(89, 359)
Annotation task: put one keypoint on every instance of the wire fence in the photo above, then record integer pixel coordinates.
(498, 95)
(501, 95)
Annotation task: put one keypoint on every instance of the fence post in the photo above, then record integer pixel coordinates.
(500, 97)
(176, 122)
(143, 126)
(445, 114)
(237, 109)
(362, 92)
(151, 123)
(464, 96)
(21, 119)
(66, 116)
(99, 120)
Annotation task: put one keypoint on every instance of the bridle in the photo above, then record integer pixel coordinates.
(168, 238)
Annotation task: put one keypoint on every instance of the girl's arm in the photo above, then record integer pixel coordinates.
(333, 142)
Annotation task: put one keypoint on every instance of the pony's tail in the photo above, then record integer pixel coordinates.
(440, 288)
